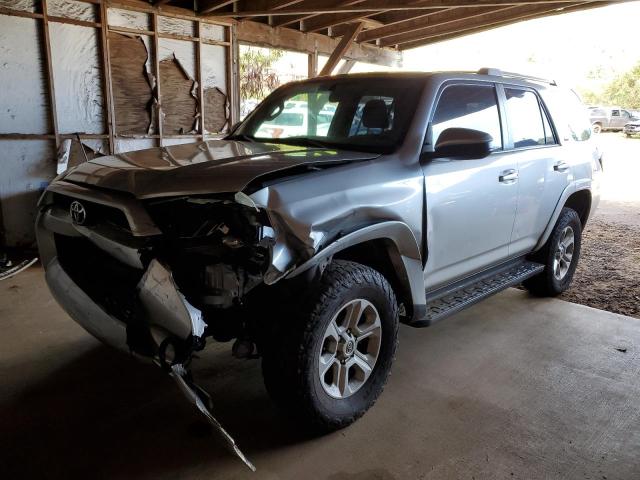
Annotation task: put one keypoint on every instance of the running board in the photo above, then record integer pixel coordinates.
(450, 300)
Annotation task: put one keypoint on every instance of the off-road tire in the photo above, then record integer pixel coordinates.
(545, 284)
(290, 362)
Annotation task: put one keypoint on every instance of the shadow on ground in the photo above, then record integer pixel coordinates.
(103, 416)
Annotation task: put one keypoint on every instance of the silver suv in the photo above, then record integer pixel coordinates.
(415, 196)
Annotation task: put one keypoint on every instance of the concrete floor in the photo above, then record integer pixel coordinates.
(514, 387)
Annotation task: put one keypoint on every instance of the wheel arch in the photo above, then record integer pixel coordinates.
(579, 200)
(388, 247)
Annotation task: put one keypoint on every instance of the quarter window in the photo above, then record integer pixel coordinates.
(468, 106)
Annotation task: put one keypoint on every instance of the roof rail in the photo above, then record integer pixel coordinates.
(499, 73)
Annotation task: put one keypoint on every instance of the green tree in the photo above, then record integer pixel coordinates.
(257, 76)
(624, 90)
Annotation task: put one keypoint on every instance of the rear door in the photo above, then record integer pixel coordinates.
(543, 169)
(471, 204)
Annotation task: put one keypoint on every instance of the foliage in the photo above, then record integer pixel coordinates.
(257, 77)
(623, 91)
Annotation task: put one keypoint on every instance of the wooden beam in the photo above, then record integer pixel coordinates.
(157, 3)
(439, 18)
(19, 13)
(263, 35)
(341, 49)
(509, 14)
(383, 5)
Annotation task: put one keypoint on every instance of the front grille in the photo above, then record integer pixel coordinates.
(97, 214)
(108, 282)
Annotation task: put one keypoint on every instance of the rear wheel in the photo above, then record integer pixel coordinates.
(329, 360)
(597, 128)
(559, 255)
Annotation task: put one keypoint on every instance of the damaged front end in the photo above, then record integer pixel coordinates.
(159, 295)
(163, 293)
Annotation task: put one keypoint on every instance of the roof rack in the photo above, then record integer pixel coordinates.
(499, 73)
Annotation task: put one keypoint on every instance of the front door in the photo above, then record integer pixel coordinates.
(471, 204)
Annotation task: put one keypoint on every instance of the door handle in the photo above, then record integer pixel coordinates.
(561, 167)
(508, 176)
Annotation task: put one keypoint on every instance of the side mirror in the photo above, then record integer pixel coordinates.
(463, 144)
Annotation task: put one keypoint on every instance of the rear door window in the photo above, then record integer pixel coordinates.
(468, 106)
(528, 124)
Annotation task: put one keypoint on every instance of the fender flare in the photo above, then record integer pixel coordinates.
(566, 193)
(407, 247)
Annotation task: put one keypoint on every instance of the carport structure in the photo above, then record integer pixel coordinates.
(121, 75)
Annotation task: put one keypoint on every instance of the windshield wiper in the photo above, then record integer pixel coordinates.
(242, 137)
(303, 141)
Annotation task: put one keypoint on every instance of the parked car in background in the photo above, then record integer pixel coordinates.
(632, 128)
(293, 122)
(609, 118)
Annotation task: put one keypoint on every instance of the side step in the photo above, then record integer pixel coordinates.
(450, 300)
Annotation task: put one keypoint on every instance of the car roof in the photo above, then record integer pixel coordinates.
(486, 75)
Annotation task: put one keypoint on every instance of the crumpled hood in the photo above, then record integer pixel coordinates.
(215, 166)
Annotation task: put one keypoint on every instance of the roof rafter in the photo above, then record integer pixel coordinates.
(439, 18)
(462, 33)
(319, 4)
(381, 6)
(498, 16)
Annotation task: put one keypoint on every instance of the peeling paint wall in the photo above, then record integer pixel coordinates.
(132, 89)
(214, 81)
(72, 9)
(24, 105)
(77, 73)
(22, 5)
(129, 19)
(27, 130)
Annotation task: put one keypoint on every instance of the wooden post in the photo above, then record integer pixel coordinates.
(199, 77)
(346, 67)
(156, 60)
(108, 86)
(50, 80)
(234, 85)
(347, 39)
(312, 70)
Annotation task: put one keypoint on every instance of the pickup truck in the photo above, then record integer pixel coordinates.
(609, 118)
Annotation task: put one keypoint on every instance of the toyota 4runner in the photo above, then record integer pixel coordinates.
(407, 198)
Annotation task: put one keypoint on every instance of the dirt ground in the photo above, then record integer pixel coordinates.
(608, 275)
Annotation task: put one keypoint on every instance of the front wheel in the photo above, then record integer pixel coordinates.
(329, 362)
(559, 255)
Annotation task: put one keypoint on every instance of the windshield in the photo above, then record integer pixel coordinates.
(366, 114)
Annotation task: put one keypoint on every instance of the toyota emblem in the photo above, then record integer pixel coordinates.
(78, 213)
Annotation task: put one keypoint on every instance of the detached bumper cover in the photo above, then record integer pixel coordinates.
(164, 313)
